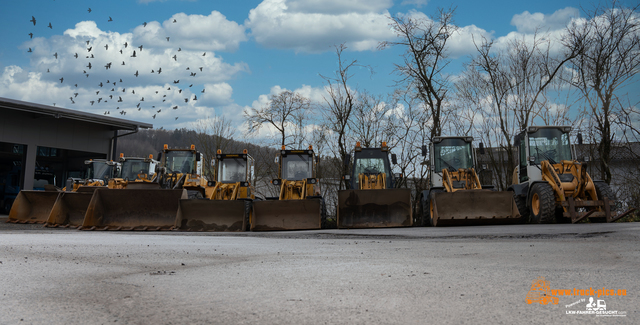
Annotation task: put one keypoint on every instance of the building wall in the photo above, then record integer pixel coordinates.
(36, 130)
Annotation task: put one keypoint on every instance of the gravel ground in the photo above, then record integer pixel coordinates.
(461, 275)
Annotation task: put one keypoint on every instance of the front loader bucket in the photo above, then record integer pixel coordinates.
(213, 215)
(70, 207)
(374, 208)
(32, 206)
(303, 214)
(133, 209)
(474, 207)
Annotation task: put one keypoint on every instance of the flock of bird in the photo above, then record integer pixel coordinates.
(114, 89)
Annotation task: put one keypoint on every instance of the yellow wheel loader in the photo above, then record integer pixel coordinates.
(372, 201)
(71, 206)
(299, 205)
(227, 202)
(455, 196)
(36, 206)
(179, 177)
(550, 185)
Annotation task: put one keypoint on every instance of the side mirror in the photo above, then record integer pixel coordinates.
(481, 148)
(579, 138)
(197, 156)
(346, 177)
(394, 159)
(277, 160)
(159, 156)
(397, 175)
(276, 181)
(424, 150)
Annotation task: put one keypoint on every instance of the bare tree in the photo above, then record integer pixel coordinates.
(610, 60)
(286, 112)
(424, 60)
(510, 87)
(370, 122)
(212, 134)
(339, 106)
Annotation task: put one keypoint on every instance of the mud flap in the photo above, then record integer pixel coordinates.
(287, 214)
(474, 207)
(213, 215)
(32, 206)
(133, 209)
(374, 208)
(70, 207)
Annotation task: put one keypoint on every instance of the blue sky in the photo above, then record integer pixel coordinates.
(251, 49)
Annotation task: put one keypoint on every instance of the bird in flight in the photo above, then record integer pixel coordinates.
(176, 81)
(33, 20)
(89, 49)
(175, 107)
(167, 38)
(61, 79)
(154, 116)
(159, 70)
(76, 55)
(205, 53)
(50, 26)
(30, 50)
(89, 10)
(100, 84)
(89, 66)
(56, 55)
(134, 54)
(195, 97)
(140, 47)
(126, 44)
(106, 47)
(175, 21)
(110, 19)
(176, 118)
(144, 24)
(175, 58)
(136, 74)
(30, 35)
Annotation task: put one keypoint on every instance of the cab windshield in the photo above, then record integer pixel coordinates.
(452, 154)
(98, 170)
(549, 144)
(132, 167)
(232, 170)
(180, 162)
(297, 167)
(370, 166)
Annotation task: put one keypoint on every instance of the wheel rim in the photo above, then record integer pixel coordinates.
(535, 204)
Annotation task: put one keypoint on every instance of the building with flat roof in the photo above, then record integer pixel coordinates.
(52, 143)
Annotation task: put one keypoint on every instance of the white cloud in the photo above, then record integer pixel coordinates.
(274, 24)
(417, 3)
(527, 22)
(208, 33)
(334, 7)
(462, 41)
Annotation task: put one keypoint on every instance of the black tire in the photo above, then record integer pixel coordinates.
(248, 205)
(423, 212)
(194, 194)
(542, 203)
(324, 224)
(432, 222)
(604, 191)
(521, 204)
